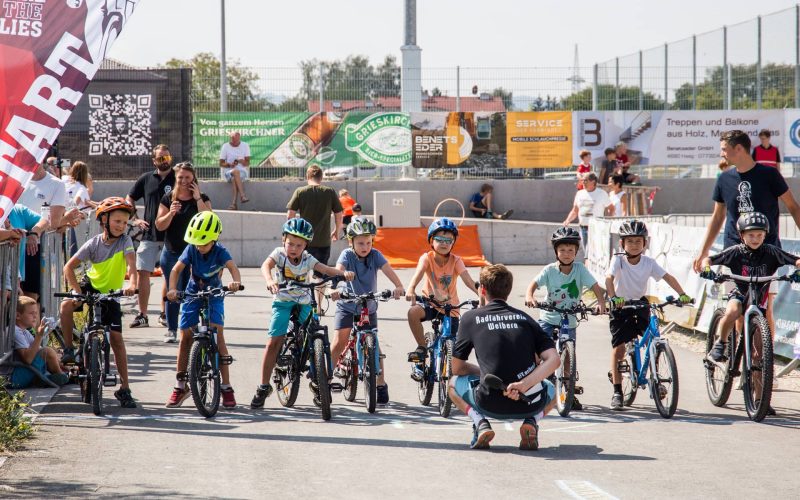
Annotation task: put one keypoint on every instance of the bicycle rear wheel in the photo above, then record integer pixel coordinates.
(321, 371)
(718, 378)
(351, 381)
(445, 371)
(425, 385)
(664, 382)
(370, 388)
(95, 374)
(204, 380)
(757, 373)
(565, 380)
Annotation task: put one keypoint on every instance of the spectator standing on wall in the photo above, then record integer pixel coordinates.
(234, 159)
(765, 153)
(584, 167)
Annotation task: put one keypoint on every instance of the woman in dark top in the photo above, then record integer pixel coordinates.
(174, 213)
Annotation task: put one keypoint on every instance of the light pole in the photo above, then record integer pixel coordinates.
(223, 70)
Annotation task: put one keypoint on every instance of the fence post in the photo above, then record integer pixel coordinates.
(666, 76)
(797, 56)
(726, 69)
(458, 88)
(694, 72)
(321, 88)
(641, 82)
(594, 87)
(223, 80)
(758, 64)
(616, 83)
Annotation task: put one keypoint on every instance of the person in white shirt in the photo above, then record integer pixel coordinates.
(589, 203)
(77, 184)
(234, 159)
(617, 196)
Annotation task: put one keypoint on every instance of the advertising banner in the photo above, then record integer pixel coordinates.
(475, 141)
(791, 141)
(49, 52)
(539, 139)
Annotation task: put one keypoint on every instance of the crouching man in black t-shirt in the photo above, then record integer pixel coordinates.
(511, 345)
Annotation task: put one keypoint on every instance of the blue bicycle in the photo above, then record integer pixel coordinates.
(650, 361)
(437, 367)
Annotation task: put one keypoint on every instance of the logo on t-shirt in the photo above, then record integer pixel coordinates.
(745, 203)
(167, 189)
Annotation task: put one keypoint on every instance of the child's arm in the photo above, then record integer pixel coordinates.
(69, 274)
(266, 272)
(172, 294)
(612, 292)
(467, 279)
(235, 275)
(133, 280)
(529, 294)
(671, 281)
(601, 299)
(29, 352)
(335, 294)
(412, 285)
(333, 271)
(398, 285)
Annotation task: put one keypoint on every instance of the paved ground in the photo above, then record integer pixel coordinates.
(403, 449)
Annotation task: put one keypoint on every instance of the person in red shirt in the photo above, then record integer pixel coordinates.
(585, 166)
(765, 153)
(624, 164)
(347, 206)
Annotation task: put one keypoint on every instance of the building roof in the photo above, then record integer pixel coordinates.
(438, 103)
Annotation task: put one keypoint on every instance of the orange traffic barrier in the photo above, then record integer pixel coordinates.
(402, 246)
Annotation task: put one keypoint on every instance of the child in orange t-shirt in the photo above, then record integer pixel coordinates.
(440, 269)
(347, 206)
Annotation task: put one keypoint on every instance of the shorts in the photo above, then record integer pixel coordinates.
(111, 312)
(22, 377)
(548, 329)
(627, 176)
(431, 314)
(344, 319)
(763, 299)
(466, 385)
(148, 255)
(190, 313)
(627, 325)
(281, 313)
(322, 254)
(346, 219)
(33, 272)
(227, 173)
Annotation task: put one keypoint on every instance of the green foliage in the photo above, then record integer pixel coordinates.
(607, 99)
(351, 78)
(14, 424)
(777, 88)
(506, 95)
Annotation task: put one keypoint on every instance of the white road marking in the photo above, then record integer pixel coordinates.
(583, 490)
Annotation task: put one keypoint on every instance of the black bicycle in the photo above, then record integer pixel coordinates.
(306, 341)
(93, 357)
(205, 360)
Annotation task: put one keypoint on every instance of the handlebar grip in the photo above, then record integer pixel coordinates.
(226, 289)
(63, 295)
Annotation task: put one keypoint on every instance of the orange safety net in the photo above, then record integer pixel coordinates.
(402, 246)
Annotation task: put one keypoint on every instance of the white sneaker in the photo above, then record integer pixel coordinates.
(170, 337)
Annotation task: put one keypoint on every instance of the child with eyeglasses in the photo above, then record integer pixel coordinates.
(440, 268)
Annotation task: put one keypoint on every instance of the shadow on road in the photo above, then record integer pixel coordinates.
(42, 487)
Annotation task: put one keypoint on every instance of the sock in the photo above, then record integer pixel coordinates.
(263, 387)
(538, 417)
(474, 415)
(617, 388)
(224, 387)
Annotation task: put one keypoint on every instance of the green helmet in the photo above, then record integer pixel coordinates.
(361, 226)
(204, 227)
(299, 227)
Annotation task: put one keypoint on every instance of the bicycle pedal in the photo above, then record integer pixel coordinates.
(110, 380)
(578, 390)
(336, 387)
(225, 360)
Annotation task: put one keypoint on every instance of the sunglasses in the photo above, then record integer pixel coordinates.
(164, 158)
(443, 239)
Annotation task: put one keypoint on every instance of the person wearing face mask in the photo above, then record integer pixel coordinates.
(151, 187)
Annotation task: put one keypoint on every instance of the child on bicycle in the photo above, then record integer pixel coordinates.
(207, 258)
(364, 261)
(109, 254)
(293, 263)
(28, 347)
(752, 257)
(626, 281)
(440, 267)
(565, 281)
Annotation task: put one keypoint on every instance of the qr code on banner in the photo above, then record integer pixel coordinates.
(119, 124)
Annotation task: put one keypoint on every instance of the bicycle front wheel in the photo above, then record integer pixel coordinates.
(204, 379)
(718, 378)
(445, 372)
(95, 374)
(370, 389)
(757, 371)
(565, 380)
(321, 370)
(664, 382)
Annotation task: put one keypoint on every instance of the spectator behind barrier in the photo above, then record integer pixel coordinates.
(28, 348)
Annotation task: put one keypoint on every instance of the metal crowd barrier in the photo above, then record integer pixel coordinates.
(9, 274)
(52, 277)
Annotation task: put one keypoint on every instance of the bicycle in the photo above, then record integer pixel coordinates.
(360, 359)
(94, 353)
(306, 341)
(205, 360)
(740, 359)
(650, 361)
(437, 367)
(566, 376)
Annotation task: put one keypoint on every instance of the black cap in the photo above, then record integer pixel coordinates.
(357, 207)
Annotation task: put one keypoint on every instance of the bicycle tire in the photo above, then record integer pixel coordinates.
(445, 370)
(83, 375)
(668, 380)
(95, 376)
(351, 380)
(204, 380)
(425, 386)
(287, 379)
(719, 382)
(321, 371)
(369, 375)
(565, 380)
(755, 376)
(629, 383)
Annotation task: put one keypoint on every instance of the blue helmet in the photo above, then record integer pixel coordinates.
(443, 224)
(299, 227)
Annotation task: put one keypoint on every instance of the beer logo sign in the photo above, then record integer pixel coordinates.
(382, 139)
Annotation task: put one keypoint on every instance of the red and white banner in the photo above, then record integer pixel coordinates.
(49, 51)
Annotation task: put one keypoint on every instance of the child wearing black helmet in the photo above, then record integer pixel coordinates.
(627, 281)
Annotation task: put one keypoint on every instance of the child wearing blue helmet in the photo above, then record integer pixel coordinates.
(440, 268)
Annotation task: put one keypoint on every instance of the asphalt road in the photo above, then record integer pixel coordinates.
(403, 449)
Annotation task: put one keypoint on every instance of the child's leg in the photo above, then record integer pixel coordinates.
(617, 353)
(51, 359)
(67, 321)
(281, 313)
(182, 364)
(271, 351)
(416, 315)
(120, 357)
(732, 313)
(223, 351)
(340, 339)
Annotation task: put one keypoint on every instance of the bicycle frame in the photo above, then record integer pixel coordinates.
(362, 330)
(650, 339)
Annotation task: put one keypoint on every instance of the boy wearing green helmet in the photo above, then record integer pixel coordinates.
(206, 258)
(289, 262)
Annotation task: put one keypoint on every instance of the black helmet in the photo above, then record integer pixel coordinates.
(565, 235)
(752, 220)
(632, 227)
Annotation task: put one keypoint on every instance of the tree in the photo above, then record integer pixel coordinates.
(607, 99)
(242, 94)
(353, 78)
(548, 104)
(777, 88)
(506, 95)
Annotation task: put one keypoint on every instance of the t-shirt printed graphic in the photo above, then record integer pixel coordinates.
(286, 271)
(563, 290)
(440, 281)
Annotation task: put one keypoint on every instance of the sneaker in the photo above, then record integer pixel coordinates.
(177, 397)
(616, 401)
(717, 353)
(529, 435)
(261, 396)
(125, 398)
(576, 405)
(770, 411)
(506, 214)
(482, 434)
(68, 356)
(417, 372)
(383, 394)
(170, 337)
(162, 319)
(59, 379)
(418, 355)
(139, 321)
(228, 400)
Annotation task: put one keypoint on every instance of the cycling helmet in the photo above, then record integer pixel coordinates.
(204, 227)
(632, 227)
(113, 203)
(565, 235)
(443, 224)
(752, 220)
(299, 227)
(361, 226)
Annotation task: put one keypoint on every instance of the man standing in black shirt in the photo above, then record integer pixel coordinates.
(152, 186)
(507, 344)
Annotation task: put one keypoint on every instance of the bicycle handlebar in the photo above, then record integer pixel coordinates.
(382, 296)
(95, 296)
(655, 305)
(288, 285)
(720, 278)
(578, 308)
(210, 292)
(432, 301)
